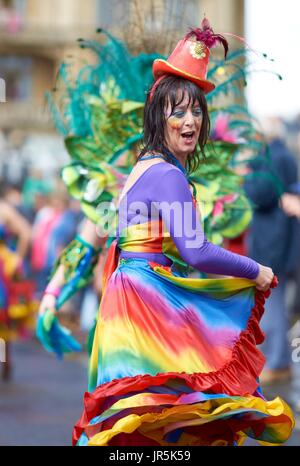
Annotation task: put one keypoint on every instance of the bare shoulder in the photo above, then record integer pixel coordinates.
(144, 164)
(4, 208)
(143, 168)
(8, 212)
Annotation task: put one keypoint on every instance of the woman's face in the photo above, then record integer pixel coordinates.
(183, 127)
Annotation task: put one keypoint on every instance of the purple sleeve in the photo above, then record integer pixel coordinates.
(173, 199)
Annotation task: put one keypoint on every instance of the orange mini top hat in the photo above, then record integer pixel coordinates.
(190, 57)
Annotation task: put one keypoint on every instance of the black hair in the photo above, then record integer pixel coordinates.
(154, 116)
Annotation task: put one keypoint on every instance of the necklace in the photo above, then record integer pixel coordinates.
(176, 162)
(169, 154)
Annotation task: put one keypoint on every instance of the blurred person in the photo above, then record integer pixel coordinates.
(12, 194)
(14, 167)
(14, 223)
(274, 239)
(11, 222)
(291, 205)
(53, 228)
(36, 190)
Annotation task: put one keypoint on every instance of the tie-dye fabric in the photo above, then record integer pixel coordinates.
(161, 201)
(175, 361)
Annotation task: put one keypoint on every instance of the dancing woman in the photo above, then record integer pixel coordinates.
(175, 359)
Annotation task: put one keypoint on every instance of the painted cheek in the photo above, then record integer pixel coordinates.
(174, 122)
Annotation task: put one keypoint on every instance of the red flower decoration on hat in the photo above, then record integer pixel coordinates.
(206, 35)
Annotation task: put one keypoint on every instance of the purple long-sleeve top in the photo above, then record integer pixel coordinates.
(163, 191)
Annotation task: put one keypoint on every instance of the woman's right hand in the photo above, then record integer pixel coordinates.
(264, 278)
(48, 302)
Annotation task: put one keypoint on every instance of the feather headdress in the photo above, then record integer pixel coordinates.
(206, 35)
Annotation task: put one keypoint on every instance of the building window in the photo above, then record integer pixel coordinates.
(17, 75)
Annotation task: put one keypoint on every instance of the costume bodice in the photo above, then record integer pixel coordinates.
(158, 219)
(141, 230)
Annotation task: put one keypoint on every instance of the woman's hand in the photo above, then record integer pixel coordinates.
(290, 204)
(48, 302)
(264, 278)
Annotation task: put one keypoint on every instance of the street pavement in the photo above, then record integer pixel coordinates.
(43, 400)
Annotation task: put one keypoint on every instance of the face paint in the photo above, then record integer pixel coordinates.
(183, 127)
(174, 122)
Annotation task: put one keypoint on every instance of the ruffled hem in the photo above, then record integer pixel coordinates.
(237, 378)
(216, 421)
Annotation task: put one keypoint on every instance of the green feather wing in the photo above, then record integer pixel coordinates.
(100, 115)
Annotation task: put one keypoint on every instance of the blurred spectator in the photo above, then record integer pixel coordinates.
(291, 206)
(11, 222)
(273, 240)
(54, 227)
(14, 168)
(36, 190)
(12, 193)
